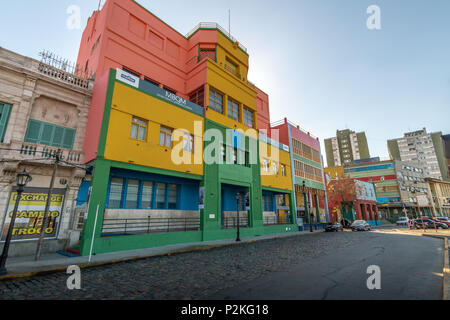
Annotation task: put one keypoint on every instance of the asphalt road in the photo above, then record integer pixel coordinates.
(411, 269)
(312, 266)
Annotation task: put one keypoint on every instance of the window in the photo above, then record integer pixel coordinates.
(160, 195)
(266, 165)
(275, 167)
(170, 90)
(207, 54)
(223, 149)
(283, 170)
(5, 110)
(147, 195)
(268, 204)
(248, 117)
(115, 193)
(138, 129)
(172, 196)
(132, 194)
(165, 137)
(188, 143)
(198, 97)
(232, 67)
(151, 81)
(234, 155)
(215, 101)
(49, 134)
(233, 110)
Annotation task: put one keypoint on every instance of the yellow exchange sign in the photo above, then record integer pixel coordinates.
(30, 214)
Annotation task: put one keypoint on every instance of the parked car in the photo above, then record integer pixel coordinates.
(360, 225)
(334, 227)
(402, 221)
(429, 224)
(444, 220)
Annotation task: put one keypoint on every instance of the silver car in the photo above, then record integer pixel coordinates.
(360, 225)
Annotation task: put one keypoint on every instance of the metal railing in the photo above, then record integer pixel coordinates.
(232, 70)
(213, 25)
(277, 220)
(31, 151)
(231, 223)
(123, 227)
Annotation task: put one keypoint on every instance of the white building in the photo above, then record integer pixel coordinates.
(43, 110)
(421, 147)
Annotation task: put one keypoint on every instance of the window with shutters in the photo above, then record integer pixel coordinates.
(50, 135)
(5, 110)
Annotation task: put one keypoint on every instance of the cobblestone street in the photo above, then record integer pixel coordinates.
(186, 276)
(196, 275)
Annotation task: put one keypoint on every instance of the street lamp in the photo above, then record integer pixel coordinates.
(22, 179)
(311, 216)
(238, 197)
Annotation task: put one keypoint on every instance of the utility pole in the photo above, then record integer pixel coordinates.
(47, 207)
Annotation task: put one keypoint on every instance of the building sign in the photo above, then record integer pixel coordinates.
(127, 78)
(30, 214)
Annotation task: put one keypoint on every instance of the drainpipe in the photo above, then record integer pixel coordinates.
(292, 171)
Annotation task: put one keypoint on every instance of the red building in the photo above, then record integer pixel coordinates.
(352, 199)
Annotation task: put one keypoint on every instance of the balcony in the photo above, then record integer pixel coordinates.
(232, 70)
(23, 151)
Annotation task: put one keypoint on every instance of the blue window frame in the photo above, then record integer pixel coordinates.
(268, 202)
(124, 193)
(132, 194)
(147, 195)
(115, 193)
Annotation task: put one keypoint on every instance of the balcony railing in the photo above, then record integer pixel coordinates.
(232, 71)
(231, 223)
(277, 220)
(125, 227)
(64, 76)
(213, 25)
(31, 151)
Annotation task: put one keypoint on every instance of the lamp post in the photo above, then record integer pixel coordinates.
(22, 179)
(238, 197)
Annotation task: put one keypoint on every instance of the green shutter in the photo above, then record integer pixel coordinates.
(58, 137)
(69, 138)
(47, 134)
(33, 134)
(5, 110)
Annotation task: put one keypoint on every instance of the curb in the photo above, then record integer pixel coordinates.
(446, 269)
(446, 294)
(136, 258)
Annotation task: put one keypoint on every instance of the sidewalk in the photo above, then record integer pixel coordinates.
(20, 267)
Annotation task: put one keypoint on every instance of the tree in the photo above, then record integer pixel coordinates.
(341, 194)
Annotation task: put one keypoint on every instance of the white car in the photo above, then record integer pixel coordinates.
(402, 221)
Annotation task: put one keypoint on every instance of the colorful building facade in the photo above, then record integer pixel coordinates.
(352, 199)
(173, 137)
(382, 174)
(307, 176)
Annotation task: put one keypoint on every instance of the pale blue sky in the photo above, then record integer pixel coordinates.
(320, 65)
